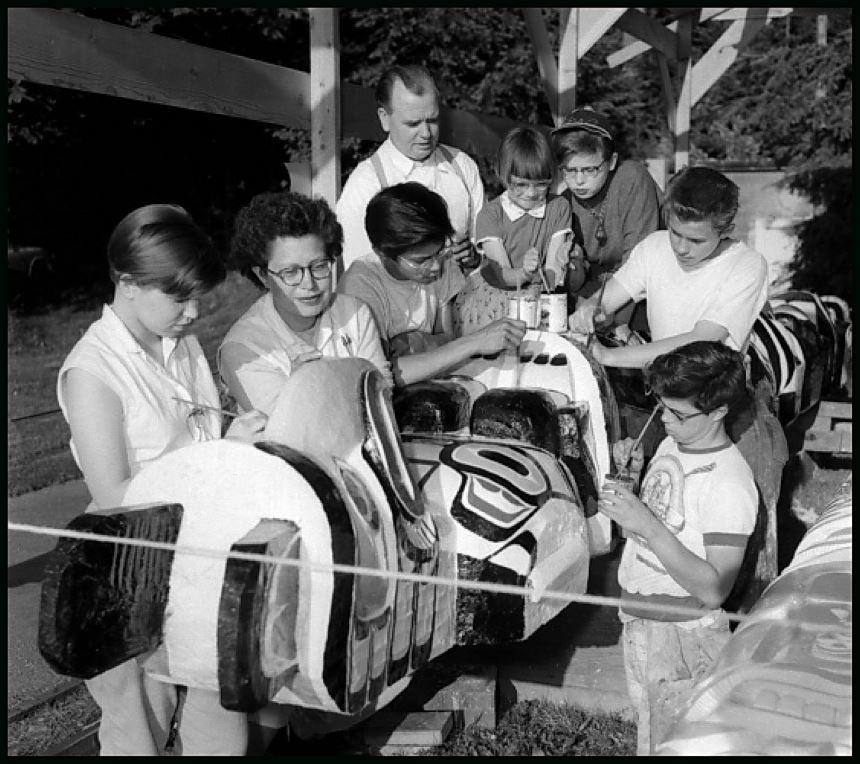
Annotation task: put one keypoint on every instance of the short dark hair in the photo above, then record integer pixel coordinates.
(569, 142)
(707, 373)
(526, 153)
(415, 78)
(160, 246)
(406, 216)
(272, 215)
(698, 194)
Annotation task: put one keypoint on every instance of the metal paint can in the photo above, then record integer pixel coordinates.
(528, 309)
(553, 312)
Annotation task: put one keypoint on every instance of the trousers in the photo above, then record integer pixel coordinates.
(662, 663)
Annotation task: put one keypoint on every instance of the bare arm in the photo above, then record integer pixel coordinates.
(710, 580)
(500, 335)
(637, 356)
(96, 421)
(614, 297)
(498, 266)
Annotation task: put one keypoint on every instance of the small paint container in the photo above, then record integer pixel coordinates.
(553, 312)
(527, 310)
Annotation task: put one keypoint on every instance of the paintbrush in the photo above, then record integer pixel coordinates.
(206, 407)
(626, 465)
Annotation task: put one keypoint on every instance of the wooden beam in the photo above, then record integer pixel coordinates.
(545, 58)
(733, 14)
(593, 24)
(669, 104)
(325, 103)
(723, 53)
(568, 59)
(650, 31)
(623, 55)
(684, 104)
(67, 50)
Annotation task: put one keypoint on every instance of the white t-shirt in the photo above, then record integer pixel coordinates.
(729, 290)
(718, 503)
(400, 306)
(154, 422)
(435, 173)
(268, 346)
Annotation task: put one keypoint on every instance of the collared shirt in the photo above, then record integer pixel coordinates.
(154, 422)
(435, 173)
(515, 212)
(518, 229)
(267, 348)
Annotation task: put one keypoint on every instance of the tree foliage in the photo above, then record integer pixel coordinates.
(78, 162)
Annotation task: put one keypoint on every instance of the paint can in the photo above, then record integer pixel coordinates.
(553, 312)
(528, 309)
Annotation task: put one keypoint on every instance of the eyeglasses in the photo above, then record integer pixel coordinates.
(521, 185)
(679, 415)
(587, 172)
(293, 275)
(427, 264)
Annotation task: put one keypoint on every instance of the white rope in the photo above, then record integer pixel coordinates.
(487, 586)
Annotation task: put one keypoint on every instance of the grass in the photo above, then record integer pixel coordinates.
(38, 447)
(541, 728)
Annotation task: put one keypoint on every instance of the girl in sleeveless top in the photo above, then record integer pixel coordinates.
(128, 390)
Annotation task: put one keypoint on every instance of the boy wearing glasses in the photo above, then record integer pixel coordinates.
(286, 244)
(687, 532)
(615, 204)
(409, 282)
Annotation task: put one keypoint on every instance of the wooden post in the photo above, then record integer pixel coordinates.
(684, 105)
(325, 103)
(545, 58)
(568, 57)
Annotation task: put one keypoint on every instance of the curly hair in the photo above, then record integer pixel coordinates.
(697, 194)
(273, 215)
(160, 246)
(706, 372)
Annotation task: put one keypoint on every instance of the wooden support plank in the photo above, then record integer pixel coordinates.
(669, 104)
(568, 58)
(593, 24)
(835, 409)
(325, 103)
(650, 31)
(830, 442)
(67, 50)
(723, 53)
(684, 103)
(545, 58)
(628, 52)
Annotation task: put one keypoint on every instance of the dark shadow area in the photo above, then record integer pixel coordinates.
(27, 572)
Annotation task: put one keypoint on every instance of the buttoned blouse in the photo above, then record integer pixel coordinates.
(154, 423)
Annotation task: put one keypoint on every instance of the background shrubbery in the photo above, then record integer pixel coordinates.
(78, 162)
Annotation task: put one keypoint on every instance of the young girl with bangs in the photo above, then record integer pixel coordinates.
(525, 233)
(128, 390)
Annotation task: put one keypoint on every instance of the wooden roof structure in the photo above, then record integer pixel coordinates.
(65, 49)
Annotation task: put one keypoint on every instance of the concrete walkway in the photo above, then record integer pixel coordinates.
(575, 658)
(29, 678)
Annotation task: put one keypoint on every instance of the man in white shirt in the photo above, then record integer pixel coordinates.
(408, 110)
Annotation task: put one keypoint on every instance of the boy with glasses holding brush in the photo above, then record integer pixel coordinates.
(687, 532)
(409, 282)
